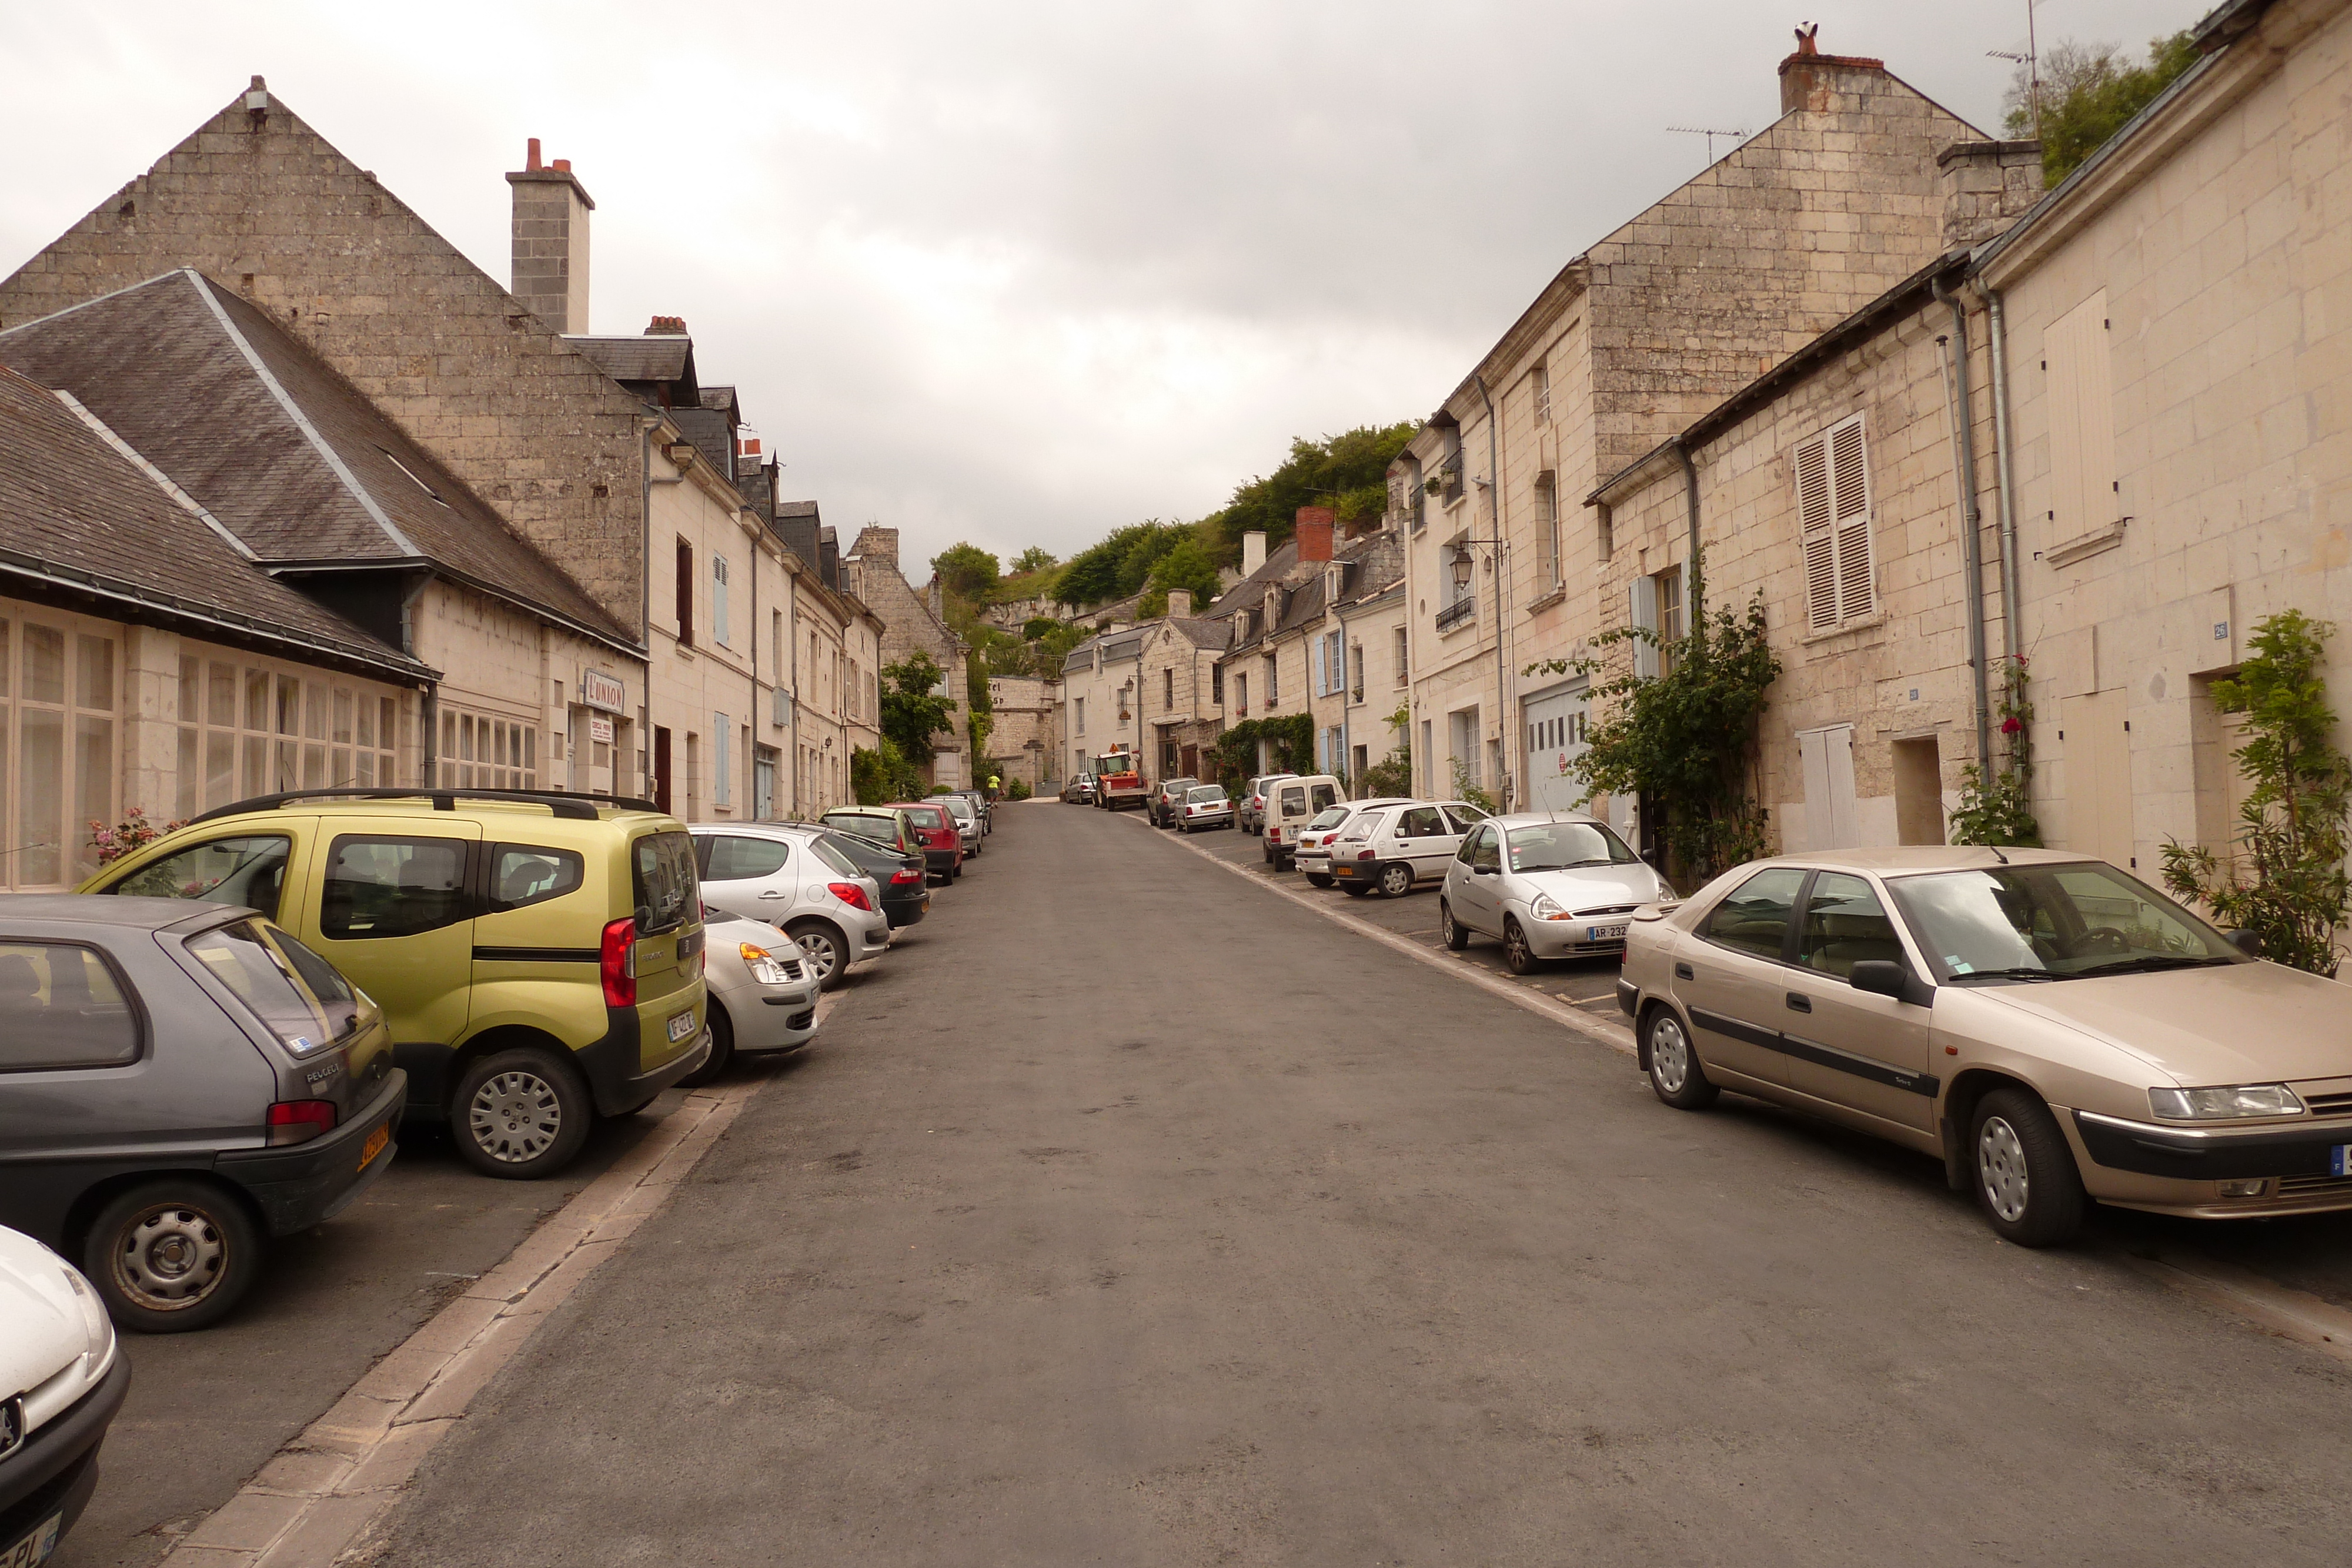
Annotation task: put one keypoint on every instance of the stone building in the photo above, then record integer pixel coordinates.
(913, 624)
(1824, 210)
(2144, 448)
(1180, 691)
(1100, 678)
(1026, 742)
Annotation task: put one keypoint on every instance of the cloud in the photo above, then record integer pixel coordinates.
(1017, 273)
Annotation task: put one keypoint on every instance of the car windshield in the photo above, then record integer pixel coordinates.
(1206, 795)
(1558, 846)
(1330, 819)
(2054, 922)
(927, 817)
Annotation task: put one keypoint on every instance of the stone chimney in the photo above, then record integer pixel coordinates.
(1179, 604)
(878, 543)
(1252, 551)
(1810, 78)
(1314, 533)
(550, 241)
(1987, 186)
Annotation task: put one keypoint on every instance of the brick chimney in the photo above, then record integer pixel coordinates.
(1808, 78)
(1252, 551)
(667, 327)
(878, 543)
(1179, 604)
(550, 241)
(1314, 533)
(1986, 187)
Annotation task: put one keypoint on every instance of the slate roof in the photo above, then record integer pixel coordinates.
(1206, 633)
(290, 458)
(665, 356)
(83, 518)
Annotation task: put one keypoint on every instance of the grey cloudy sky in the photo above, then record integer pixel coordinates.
(1017, 273)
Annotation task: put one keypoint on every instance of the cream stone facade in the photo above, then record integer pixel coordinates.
(1181, 707)
(1100, 678)
(1026, 741)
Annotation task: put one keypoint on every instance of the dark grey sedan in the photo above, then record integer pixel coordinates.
(180, 1082)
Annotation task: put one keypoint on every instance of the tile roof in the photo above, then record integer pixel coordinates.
(84, 518)
(290, 458)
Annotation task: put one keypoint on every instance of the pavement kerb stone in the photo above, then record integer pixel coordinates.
(320, 1496)
(1613, 1037)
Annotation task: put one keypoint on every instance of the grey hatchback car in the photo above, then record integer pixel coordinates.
(178, 1083)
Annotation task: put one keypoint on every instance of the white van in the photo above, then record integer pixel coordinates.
(1290, 805)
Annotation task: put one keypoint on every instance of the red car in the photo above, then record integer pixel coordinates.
(942, 845)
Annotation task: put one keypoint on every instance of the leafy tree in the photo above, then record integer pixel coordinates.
(1348, 472)
(1034, 558)
(2286, 880)
(2089, 91)
(968, 571)
(882, 775)
(1187, 567)
(1101, 572)
(915, 706)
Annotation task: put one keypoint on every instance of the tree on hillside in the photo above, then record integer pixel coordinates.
(1187, 567)
(1347, 473)
(915, 706)
(968, 572)
(1034, 558)
(1119, 565)
(2089, 91)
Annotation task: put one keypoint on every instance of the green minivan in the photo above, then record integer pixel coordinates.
(538, 955)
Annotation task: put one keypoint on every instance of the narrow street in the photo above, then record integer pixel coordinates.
(1154, 1219)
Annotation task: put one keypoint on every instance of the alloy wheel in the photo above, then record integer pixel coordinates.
(170, 1256)
(822, 954)
(2000, 1168)
(515, 1116)
(1517, 957)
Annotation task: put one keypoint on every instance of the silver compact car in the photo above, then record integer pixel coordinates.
(788, 877)
(762, 996)
(1547, 886)
(1205, 806)
(1313, 856)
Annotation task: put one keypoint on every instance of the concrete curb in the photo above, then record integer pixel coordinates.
(1613, 1037)
(322, 1493)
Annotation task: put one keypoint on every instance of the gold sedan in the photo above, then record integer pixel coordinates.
(2054, 1029)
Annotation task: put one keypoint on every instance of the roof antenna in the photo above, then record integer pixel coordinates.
(1996, 854)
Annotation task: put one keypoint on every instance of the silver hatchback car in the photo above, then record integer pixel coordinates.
(1550, 885)
(788, 877)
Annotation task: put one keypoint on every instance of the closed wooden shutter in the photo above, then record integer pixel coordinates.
(1319, 688)
(1850, 488)
(1833, 515)
(2080, 397)
(1814, 512)
(1645, 615)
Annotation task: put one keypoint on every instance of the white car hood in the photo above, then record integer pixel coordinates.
(44, 1325)
(1592, 887)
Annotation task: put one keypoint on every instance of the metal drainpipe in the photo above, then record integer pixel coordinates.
(1690, 487)
(2003, 498)
(1503, 719)
(1956, 413)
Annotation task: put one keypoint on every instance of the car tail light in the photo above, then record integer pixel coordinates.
(1275, 834)
(1365, 854)
(904, 876)
(616, 963)
(300, 1121)
(849, 893)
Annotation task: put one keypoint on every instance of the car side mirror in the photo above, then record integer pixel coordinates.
(1884, 977)
(2247, 941)
(1479, 870)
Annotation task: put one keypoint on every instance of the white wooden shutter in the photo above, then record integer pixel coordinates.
(1645, 615)
(1320, 690)
(1814, 511)
(1850, 493)
(2080, 397)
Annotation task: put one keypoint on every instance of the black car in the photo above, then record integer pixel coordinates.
(906, 886)
(179, 1083)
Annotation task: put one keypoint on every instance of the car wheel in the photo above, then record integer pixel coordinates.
(722, 1050)
(520, 1114)
(1396, 881)
(1675, 1075)
(1319, 879)
(1456, 934)
(1357, 890)
(822, 948)
(1517, 957)
(2026, 1180)
(172, 1254)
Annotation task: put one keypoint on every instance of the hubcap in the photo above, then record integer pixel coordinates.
(1669, 1055)
(2000, 1168)
(170, 1257)
(1395, 879)
(515, 1116)
(819, 949)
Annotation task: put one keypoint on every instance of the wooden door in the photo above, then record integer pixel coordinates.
(2097, 739)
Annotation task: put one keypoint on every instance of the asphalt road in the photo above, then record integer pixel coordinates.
(1151, 1220)
(208, 1409)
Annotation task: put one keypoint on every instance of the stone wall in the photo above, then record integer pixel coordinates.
(870, 571)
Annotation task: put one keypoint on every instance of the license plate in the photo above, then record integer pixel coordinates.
(681, 1025)
(1605, 933)
(374, 1144)
(2339, 1160)
(37, 1547)
(1343, 870)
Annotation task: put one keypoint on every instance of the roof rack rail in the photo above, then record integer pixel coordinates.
(566, 803)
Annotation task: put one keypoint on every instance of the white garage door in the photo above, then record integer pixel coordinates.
(1554, 738)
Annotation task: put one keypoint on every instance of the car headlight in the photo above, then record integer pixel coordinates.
(2219, 1105)
(763, 965)
(1543, 908)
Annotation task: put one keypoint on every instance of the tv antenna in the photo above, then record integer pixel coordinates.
(1710, 133)
(2031, 60)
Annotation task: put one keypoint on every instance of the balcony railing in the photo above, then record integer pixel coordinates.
(1455, 613)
